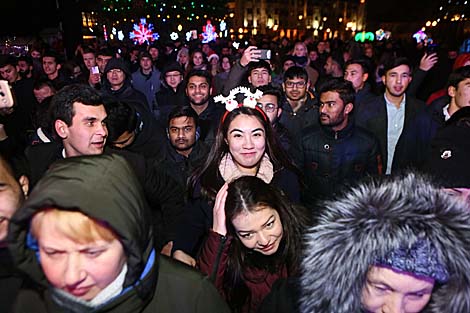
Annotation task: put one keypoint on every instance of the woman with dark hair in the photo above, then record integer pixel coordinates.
(197, 61)
(254, 241)
(244, 145)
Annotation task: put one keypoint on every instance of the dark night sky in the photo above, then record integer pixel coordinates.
(401, 10)
(23, 17)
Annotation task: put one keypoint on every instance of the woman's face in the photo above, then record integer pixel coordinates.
(183, 58)
(226, 66)
(246, 140)
(82, 270)
(300, 50)
(198, 58)
(259, 230)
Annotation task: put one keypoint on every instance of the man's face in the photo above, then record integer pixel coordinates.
(396, 80)
(42, 93)
(101, 61)
(259, 77)
(24, 68)
(134, 55)
(116, 78)
(50, 66)
(330, 66)
(389, 291)
(173, 79)
(225, 51)
(269, 104)
(321, 47)
(333, 111)
(198, 90)
(295, 88)
(87, 133)
(182, 134)
(10, 73)
(461, 94)
(11, 198)
(89, 59)
(154, 53)
(145, 64)
(206, 49)
(355, 74)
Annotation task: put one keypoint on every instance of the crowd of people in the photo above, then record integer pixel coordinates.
(325, 176)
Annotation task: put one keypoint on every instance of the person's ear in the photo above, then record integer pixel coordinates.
(365, 76)
(61, 129)
(279, 112)
(249, 79)
(348, 108)
(59, 66)
(24, 184)
(451, 91)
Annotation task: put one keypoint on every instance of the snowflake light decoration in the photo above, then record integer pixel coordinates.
(208, 32)
(420, 36)
(174, 36)
(143, 33)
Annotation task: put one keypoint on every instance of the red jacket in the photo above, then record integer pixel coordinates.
(258, 281)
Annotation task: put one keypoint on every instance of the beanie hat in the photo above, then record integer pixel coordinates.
(120, 64)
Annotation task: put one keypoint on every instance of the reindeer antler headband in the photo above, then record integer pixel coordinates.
(250, 100)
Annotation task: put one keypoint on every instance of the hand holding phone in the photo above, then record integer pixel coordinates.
(6, 97)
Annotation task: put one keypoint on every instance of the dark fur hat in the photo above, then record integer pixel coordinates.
(369, 222)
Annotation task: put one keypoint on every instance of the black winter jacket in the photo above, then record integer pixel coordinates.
(330, 159)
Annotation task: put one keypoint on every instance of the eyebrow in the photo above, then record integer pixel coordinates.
(262, 226)
(89, 119)
(239, 130)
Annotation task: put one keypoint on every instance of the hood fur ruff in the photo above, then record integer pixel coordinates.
(372, 220)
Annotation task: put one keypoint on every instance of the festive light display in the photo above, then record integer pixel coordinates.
(364, 36)
(208, 32)
(420, 36)
(381, 34)
(174, 36)
(143, 33)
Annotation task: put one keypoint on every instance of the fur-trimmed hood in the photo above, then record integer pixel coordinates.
(369, 222)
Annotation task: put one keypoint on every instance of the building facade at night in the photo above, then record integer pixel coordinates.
(295, 18)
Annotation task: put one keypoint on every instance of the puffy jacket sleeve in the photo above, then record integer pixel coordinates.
(213, 258)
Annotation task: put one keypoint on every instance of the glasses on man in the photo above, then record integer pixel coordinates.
(173, 75)
(299, 84)
(267, 107)
(115, 70)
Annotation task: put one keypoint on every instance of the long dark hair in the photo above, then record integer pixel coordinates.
(250, 194)
(208, 175)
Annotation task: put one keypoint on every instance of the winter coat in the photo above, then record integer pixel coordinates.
(147, 84)
(162, 191)
(306, 116)
(152, 283)
(332, 159)
(373, 117)
(373, 220)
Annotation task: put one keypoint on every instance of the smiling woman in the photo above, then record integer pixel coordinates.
(255, 240)
(244, 145)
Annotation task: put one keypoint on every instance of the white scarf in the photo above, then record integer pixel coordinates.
(230, 171)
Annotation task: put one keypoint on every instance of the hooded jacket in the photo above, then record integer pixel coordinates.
(105, 188)
(369, 222)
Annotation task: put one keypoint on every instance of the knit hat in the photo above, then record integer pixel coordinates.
(170, 67)
(116, 63)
